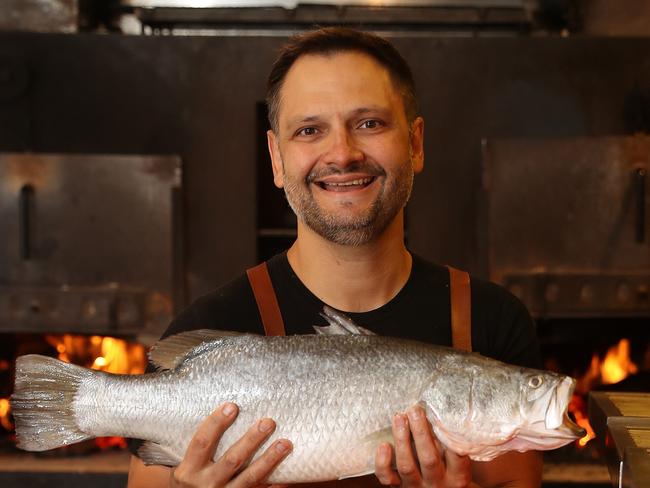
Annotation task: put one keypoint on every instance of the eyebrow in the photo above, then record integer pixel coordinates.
(371, 109)
(302, 120)
(354, 113)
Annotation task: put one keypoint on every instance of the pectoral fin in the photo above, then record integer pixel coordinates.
(152, 453)
(373, 439)
(355, 475)
(383, 435)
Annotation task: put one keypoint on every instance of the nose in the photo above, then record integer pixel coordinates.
(342, 148)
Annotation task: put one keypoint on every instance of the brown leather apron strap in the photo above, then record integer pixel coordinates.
(267, 302)
(461, 309)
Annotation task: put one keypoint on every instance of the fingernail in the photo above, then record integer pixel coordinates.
(228, 409)
(400, 421)
(384, 451)
(414, 413)
(282, 447)
(266, 425)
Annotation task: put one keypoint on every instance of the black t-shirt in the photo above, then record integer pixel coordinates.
(501, 326)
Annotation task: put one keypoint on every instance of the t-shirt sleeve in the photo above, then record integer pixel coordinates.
(507, 329)
(521, 344)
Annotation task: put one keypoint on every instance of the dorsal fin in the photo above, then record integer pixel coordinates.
(340, 324)
(169, 352)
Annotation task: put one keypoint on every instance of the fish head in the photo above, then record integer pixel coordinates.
(482, 408)
(544, 404)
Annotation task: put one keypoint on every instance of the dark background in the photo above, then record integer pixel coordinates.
(199, 97)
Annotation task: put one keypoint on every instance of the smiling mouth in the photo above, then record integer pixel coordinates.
(341, 186)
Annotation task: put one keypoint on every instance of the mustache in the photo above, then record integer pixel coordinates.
(367, 167)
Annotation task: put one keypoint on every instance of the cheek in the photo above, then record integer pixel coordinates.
(298, 162)
(389, 153)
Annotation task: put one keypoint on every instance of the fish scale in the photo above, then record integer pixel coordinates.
(333, 396)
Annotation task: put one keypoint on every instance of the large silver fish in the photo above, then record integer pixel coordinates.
(333, 396)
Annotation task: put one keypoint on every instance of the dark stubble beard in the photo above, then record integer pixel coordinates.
(361, 228)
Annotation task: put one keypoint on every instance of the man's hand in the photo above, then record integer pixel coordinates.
(198, 469)
(429, 466)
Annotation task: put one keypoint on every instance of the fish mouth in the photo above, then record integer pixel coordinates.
(571, 429)
(557, 418)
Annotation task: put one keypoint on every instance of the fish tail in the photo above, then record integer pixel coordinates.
(42, 402)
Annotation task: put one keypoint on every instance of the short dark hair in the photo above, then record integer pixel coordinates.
(331, 40)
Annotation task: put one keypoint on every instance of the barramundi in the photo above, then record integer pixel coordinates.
(333, 394)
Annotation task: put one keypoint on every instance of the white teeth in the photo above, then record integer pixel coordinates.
(361, 181)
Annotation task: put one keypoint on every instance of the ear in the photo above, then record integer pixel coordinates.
(417, 144)
(276, 158)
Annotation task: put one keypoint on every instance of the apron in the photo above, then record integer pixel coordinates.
(461, 335)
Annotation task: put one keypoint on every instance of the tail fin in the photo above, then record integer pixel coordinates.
(42, 402)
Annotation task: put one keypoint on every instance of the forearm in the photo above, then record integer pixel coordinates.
(141, 476)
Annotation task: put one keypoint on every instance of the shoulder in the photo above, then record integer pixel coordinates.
(229, 307)
(489, 300)
(492, 301)
(502, 328)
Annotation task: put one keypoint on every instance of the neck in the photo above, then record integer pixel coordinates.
(352, 279)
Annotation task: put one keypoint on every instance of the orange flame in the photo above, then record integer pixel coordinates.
(617, 364)
(578, 408)
(102, 353)
(4, 414)
(5, 406)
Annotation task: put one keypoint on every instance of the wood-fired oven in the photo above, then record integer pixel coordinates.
(90, 268)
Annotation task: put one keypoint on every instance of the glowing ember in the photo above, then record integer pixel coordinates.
(108, 442)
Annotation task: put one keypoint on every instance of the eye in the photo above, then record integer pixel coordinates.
(370, 124)
(535, 381)
(307, 131)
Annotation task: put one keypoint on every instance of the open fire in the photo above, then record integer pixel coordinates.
(102, 353)
(613, 368)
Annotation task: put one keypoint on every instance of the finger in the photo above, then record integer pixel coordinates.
(260, 469)
(407, 467)
(459, 470)
(207, 436)
(241, 451)
(384, 465)
(428, 455)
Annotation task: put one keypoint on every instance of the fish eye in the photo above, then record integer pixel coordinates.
(535, 381)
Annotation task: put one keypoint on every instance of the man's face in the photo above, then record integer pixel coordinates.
(344, 153)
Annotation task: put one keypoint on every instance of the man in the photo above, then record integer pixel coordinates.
(345, 145)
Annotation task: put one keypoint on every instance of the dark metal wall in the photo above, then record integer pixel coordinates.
(197, 97)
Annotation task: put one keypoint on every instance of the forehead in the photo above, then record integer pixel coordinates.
(323, 83)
